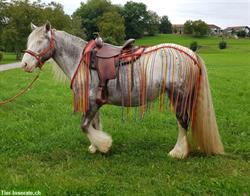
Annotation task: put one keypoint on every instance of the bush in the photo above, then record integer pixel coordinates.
(223, 45)
(194, 46)
(242, 34)
(1, 56)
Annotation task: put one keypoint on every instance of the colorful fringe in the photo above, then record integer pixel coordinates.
(182, 82)
(80, 81)
(182, 94)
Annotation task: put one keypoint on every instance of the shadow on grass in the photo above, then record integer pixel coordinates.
(241, 156)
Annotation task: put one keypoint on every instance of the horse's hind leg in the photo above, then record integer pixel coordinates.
(181, 149)
(99, 140)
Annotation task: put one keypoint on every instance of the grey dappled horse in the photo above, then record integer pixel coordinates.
(66, 50)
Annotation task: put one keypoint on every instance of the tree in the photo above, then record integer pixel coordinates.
(3, 5)
(55, 14)
(91, 13)
(19, 14)
(76, 27)
(165, 25)
(196, 28)
(200, 28)
(188, 27)
(112, 32)
(135, 15)
(153, 22)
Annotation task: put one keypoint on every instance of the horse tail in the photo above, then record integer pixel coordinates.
(205, 132)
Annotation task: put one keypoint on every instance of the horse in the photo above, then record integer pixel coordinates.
(162, 70)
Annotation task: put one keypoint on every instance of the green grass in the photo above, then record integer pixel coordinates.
(8, 58)
(42, 147)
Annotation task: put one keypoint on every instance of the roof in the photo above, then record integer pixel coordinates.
(236, 28)
(213, 26)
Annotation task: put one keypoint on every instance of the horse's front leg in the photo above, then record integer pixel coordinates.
(91, 126)
(96, 123)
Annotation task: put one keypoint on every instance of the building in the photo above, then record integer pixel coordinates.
(178, 28)
(214, 29)
(236, 29)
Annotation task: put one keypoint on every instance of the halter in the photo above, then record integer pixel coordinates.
(42, 55)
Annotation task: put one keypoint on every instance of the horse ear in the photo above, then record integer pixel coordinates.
(47, 26)
(33, 27)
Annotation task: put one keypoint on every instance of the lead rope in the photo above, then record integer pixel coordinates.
(20, 93)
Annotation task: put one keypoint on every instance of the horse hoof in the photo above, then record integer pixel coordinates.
(92, 149)
(179, 153)
(100, 140)
(105, 145)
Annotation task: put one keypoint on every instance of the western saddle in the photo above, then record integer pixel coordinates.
(106, 57)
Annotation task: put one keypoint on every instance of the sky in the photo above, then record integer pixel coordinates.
(222, 13)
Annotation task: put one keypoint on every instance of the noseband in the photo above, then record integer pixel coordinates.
(43, 55)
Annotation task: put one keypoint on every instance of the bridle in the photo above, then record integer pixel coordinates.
(43, 56)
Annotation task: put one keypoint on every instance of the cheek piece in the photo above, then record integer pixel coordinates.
(46, 53)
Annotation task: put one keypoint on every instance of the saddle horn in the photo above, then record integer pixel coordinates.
(98, 40)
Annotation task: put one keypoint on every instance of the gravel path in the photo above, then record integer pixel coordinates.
(10, 66)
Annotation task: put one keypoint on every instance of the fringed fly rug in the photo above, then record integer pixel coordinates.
(180, 73)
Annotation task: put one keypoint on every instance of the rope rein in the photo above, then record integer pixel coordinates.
(20, 93)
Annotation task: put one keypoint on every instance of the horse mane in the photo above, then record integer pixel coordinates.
(58, 74)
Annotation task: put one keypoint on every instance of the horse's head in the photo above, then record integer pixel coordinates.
(40, 47)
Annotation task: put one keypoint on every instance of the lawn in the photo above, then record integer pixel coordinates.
(8, 58)
(42, 147)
